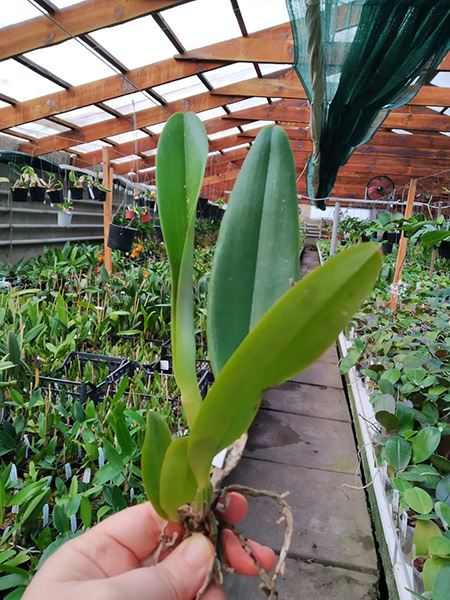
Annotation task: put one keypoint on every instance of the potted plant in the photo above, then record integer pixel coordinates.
(54, 188)
(27, 179)
(201, 207)
(96, 190)
(120, 237)
(145, 216)
(76, 189)
(150, 199)
(131, 212)
(221, 206)
(65, 213)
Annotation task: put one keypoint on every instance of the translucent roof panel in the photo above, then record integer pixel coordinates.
(401, 132)
(445, 133)
(72, 62)
(41, 128)
(267, 68)
(10, 137)
(236, 147)
(149, 152)
(156, 128)
(66, 3)
(136, 43)
(131, 102)
(436, 108)
(260, 14)
(129, 136)
(442, 79)
(224, 133)
(230, 74)
(4, 104)
(212, 113)
(182, 88)
(125, 159)
(248, 103)
(87, 115)
(17, 11)
(203, 22)
(90, 146)
(20, 83)
(256, 125)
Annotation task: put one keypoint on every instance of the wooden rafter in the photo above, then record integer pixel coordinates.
(75, 20)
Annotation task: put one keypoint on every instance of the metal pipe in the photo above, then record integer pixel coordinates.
(337, 215)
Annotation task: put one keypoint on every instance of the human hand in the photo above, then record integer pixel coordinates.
(111, 560)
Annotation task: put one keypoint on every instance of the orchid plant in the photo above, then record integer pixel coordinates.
(255, 302)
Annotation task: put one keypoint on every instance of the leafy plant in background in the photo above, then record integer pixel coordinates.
(254, 303)
(27, 177)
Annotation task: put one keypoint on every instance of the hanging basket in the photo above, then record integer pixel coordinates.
(121, 237)
(150, 204)
(201, 207)
(56, 196)
(158, 234)
(64, 219)
(444, 249)
(19, 194)
(76, 193)
(96, 194)
(37, 194)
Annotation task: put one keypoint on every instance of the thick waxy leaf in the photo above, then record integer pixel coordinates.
(178, 484)
(419, 500)
(430, 569)
(425, 443)
(157, 441)
(439, 546)
(180, 164)
(441, 586)
(257, 256)
(424, 531)
(443, 512)
(291, 336)
(398, 452)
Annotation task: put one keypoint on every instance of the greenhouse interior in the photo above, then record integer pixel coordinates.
(235, 207)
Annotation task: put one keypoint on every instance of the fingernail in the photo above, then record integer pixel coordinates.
(223, 504)
(198, 551)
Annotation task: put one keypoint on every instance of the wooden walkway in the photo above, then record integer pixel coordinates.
(302, 442)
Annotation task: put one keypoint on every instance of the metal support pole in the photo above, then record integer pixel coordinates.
(337, 211)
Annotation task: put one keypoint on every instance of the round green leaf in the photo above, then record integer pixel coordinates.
(441, 587)
(443, 512)
(424, 531)
(439, 546)
(443, 490)
(419, 500)
(431, 568)
(398, 452)
(425, 443)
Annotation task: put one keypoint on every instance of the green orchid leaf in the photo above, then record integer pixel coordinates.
(419, 500)
(180, 165)
(178, 484)
(156, 443)
(296, 330)
(441, 584)
(443, 512)
(425, 443)
(439, 546)
(398, 452)
(431, 568)
(257, 256)
(424, 531)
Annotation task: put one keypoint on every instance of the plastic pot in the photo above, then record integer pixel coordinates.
(145, 218)
(64, 219)
(37, 193)
(56, 196)
(220, 213)
(393, 237)
(76, 193)
(212, 212)
(150, 204)
(158, 234)
(121, 237)
(386, 247)
(141, 201)
(96, 194)
(19, 194)
(201, 206)
(130, 214)
(444, 249)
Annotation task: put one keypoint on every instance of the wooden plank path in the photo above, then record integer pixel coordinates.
(302, 442)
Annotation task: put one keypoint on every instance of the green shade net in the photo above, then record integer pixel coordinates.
(358, 60)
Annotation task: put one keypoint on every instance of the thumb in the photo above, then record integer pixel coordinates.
(177, 577)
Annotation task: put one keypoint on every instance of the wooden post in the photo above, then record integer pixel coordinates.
(107, 206)
(433, 254)
(403, 242)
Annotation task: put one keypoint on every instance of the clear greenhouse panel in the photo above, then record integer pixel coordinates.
(230, 74)
(131, 102)
(182, 88)
(20, 83)
(16, 12)
(261, 14)
(40, 128)
(87, 115)
(129, 136)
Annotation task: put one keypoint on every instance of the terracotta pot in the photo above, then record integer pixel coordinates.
(129, 214)
(145, 218)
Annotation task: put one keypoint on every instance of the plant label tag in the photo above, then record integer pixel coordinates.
(395, 502)
(165, 365)
(91, 193)
(219, 459)
(403, 525)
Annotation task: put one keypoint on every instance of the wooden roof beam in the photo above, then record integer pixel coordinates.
(78, 19)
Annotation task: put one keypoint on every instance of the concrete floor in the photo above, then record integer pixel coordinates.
(302, 442)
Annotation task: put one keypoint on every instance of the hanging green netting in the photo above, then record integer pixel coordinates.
(357, 60)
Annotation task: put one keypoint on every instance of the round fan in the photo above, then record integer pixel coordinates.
(379, 187)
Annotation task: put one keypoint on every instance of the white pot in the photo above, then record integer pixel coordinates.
(64, 219)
